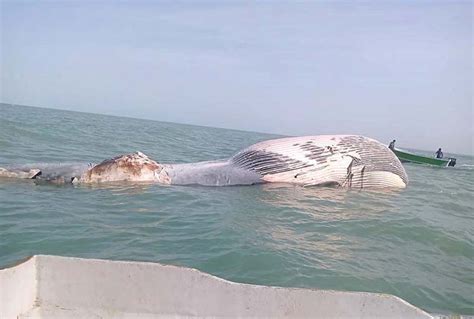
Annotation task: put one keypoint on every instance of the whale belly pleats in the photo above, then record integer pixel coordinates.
(344, 160)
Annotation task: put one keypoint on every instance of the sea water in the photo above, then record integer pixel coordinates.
(417, 243)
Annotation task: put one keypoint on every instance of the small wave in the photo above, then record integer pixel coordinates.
(466, 167)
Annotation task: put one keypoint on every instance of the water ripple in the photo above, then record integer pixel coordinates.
(417, 243)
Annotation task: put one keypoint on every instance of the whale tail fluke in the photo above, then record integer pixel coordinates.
(23, 174)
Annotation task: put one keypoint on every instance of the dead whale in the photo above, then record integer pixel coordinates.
(349, 161)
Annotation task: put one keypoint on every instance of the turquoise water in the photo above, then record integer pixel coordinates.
(417, 244)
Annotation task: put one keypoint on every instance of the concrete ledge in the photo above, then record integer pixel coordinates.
(58, 287)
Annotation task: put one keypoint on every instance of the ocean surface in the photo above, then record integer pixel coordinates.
(417, 243)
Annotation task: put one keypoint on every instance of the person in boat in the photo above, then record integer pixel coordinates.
(439, 153)
(392, 145)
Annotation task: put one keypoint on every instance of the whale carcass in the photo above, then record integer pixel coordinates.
(349, 161)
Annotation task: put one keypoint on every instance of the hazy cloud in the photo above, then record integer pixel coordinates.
(384, 69)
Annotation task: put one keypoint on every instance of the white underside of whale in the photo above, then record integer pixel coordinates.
(339, 160)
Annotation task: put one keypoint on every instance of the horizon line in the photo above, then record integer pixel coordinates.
(196, 125)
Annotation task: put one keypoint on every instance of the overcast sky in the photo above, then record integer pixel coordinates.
(386, 69)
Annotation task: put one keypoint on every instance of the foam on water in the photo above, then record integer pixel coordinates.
(417, 243)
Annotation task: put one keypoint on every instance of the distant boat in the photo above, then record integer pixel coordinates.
(406, 157)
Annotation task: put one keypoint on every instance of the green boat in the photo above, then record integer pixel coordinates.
(406, 157)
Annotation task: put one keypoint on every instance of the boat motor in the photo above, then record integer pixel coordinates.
(452, 162)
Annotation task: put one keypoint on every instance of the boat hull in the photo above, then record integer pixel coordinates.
(406, 157)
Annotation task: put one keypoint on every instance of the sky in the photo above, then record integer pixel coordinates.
(386, 69)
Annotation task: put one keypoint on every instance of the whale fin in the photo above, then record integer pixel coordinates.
(33, 173)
